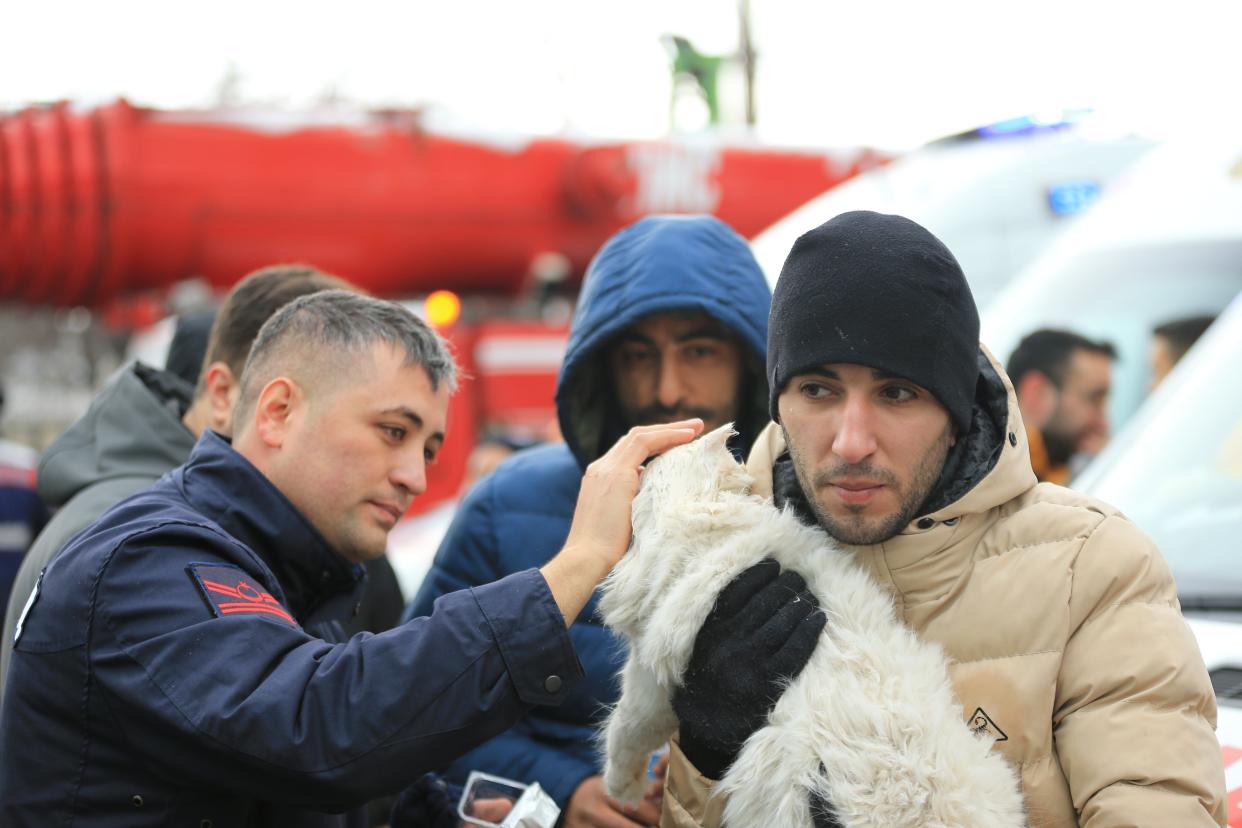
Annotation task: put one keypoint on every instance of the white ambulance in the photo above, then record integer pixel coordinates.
(1164, 243)
(996, 195)
(1176, 471)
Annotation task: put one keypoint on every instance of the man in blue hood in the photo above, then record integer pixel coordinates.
(671, 323)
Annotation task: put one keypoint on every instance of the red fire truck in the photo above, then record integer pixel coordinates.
(109, 207)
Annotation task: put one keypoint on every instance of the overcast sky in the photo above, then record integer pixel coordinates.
(878, 72)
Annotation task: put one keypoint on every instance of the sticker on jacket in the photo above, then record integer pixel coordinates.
(230, 591)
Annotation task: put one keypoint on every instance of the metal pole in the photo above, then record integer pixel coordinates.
(746, 51)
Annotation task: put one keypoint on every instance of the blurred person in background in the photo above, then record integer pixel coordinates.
(22, 513)
(1171, 341)
(203, 678)
(484, 459)
(671, 323)
(189, 345)
(1063, 381)
(145, 422)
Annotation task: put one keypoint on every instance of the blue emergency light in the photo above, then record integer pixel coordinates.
(1028, 124)
(1072, 197)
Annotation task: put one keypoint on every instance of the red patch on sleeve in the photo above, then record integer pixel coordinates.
(230, 591)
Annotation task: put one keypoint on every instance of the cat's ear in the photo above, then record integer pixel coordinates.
(715, 440)
(724, 471)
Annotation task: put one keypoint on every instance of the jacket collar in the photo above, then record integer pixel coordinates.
(318, 584)
(992, 468)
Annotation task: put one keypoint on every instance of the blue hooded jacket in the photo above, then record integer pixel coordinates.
(182, 664)
(519, 517)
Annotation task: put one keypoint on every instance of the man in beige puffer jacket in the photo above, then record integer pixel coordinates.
(899, 435)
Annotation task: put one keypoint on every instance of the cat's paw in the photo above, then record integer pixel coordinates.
(624, 785)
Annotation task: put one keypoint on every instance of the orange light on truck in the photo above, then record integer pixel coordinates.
(442, 308)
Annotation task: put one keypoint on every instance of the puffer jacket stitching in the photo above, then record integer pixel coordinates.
(1101, 610)
(1164, 605)
(983, 659)
(1066, 539)
(1163, 708)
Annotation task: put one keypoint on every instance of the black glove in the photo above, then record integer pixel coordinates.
(759, 636)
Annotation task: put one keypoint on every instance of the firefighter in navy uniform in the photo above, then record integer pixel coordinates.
(184, 666)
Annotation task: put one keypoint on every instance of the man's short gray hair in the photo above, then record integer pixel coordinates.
(343, 323)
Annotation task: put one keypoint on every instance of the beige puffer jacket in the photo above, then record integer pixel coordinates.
(1067, 645)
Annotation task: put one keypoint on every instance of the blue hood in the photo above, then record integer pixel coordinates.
(658, 265)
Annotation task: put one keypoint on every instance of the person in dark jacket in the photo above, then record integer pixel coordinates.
(22, 513)
(671, 322)
(181, 663)
(188, 347)
(143, 424)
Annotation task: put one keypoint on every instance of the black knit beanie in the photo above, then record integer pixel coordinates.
(880, 291)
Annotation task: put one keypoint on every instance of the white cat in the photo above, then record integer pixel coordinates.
(870, 725)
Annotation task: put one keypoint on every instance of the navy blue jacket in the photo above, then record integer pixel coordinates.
(519, 516)
(178, 667)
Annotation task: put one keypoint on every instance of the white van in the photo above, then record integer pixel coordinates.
(1176, 471)
(1165, 242)
(994, 197)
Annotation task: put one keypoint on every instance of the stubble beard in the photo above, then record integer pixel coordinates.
(355, 544)
(856, 529)
(1060, 443)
